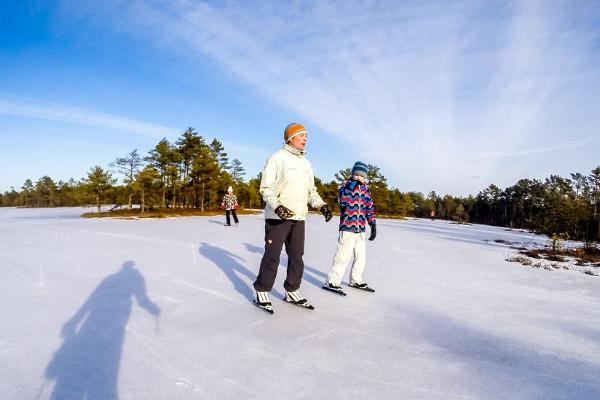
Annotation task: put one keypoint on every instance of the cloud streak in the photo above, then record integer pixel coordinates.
(565, 146)
(65, 113)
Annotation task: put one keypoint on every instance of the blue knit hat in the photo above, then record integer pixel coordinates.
(360, 168)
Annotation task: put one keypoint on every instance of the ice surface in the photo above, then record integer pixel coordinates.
(161, 309)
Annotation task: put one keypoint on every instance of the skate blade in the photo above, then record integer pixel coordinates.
(340, 292)
(304, 305)
(268, 309)
(366, 289)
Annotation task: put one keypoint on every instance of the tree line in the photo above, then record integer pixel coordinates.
(193, 173)
(189, 173)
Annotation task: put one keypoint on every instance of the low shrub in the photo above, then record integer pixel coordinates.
(519, 259)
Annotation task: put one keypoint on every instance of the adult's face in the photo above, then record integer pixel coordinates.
(299, 141)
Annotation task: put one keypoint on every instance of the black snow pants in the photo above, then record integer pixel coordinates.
(235, 218)
(278, 233)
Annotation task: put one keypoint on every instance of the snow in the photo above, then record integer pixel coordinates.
(161, 309)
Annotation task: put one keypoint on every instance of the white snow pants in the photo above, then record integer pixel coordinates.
(350, 246)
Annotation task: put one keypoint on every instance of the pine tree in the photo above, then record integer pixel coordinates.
(343, 175)
(27, 193)
(237, 171)
(188, 145)
(164, 158)
(204, 175)
(68, 193)
(45, 192)
(255, 199)
(99, 183)
(218, 152)
(581, 188)
(10, 198)
(144, 180)
(459, 213)
(128, 165)
(379, 188)
(594, 179)
(558, 205)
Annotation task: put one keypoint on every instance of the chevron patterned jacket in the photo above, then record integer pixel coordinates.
(356, 207)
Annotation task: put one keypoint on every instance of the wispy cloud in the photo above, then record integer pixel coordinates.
(60, 112)
(420, 87)
(565, 146)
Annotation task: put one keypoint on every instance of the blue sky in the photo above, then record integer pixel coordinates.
(441, 95)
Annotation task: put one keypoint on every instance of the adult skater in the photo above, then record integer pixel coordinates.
(287, 186)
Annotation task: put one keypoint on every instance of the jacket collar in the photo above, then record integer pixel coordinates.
(293, 150)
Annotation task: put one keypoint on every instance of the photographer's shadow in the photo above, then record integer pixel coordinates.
(86, 366)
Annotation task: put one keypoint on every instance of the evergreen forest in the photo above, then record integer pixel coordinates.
(192, 173)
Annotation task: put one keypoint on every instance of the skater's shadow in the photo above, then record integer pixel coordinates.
(253, 249)
(230, 264)
(86, 366)
(214, 221)
(309, 277)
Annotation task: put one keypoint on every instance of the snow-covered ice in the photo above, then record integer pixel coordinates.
(161, 309)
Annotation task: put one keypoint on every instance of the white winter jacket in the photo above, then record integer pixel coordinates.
(288, 180)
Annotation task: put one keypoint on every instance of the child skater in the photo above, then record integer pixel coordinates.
(230, 203)
(356, 211)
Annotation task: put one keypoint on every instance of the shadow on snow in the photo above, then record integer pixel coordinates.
(86, 366)
(503, 367)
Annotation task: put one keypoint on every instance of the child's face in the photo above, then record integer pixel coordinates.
(299, 141)
(359, 178)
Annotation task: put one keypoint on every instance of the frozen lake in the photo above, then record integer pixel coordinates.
(161, 309)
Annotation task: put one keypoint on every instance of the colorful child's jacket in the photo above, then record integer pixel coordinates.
(229, 202)
(356, 207)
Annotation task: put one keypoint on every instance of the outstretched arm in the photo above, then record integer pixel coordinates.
(142, 298)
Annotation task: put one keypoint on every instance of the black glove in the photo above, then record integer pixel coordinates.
(283, 212)
(373, 231)
(326, 212)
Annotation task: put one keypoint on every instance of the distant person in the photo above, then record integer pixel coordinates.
(287, 186)
(356, 211)
(432, 215)
(229, 204)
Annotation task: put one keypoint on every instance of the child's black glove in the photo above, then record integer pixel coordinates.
(353, 184)
(373, 231)
(326, 212)
(283, 212)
